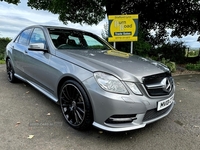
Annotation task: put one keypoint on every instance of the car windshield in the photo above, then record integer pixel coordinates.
(74, 39)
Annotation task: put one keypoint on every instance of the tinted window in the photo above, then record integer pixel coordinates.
(74, 39)
(93, 43)
(37, 36)
(24, 37)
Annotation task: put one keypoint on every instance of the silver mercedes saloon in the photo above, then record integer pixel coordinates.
(94, 84)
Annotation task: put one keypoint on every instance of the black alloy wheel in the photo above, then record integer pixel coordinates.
(10, 71)
(75, 105)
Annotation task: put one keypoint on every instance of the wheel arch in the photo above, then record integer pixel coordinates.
(12, 63)
(69, 77)
(7, 58)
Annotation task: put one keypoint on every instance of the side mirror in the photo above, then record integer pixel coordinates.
(37, 47)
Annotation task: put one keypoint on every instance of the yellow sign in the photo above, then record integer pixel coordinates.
(123, 28)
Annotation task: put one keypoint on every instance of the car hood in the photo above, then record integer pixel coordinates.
(123, 65)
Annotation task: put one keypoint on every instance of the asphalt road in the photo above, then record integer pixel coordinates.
(31, 121)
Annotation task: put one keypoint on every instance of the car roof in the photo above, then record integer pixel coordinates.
(57, 27)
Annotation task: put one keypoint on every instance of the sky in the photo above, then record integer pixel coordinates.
(13, 18)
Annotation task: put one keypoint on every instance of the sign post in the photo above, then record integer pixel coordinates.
(123, 28)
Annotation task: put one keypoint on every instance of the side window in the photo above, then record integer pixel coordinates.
(17, 39)
(37, 36)
(24, 37)
(75, 39)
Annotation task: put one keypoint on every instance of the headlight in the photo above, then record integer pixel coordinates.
(110, 83)
(134, 88)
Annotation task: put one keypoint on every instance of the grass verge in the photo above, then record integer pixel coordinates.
(2, 62)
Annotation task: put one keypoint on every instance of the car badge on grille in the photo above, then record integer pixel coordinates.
(166, 84)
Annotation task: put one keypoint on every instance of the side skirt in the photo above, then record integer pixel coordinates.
(39, 88)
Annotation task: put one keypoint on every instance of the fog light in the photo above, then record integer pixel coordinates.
(121, 118)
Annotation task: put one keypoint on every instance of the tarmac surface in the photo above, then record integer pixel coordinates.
(31, 121)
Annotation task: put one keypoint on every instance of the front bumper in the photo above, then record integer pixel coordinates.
(105, 105)
(133, 125)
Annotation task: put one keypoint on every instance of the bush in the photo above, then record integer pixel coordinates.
(3, 43)
(1, 56)
(174, 51)
(193, 67)
(171, 65)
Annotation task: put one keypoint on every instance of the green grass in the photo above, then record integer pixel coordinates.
(2, 62)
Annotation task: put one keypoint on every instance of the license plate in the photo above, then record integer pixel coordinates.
(165, 103)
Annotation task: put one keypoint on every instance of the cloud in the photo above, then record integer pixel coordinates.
(190, 41)
(10, 26)
(13, 18)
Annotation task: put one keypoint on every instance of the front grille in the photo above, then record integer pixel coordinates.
(157, 85)
(153, 113)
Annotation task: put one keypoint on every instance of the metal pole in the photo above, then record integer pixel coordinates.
(131, 47)
(188, 51)
(114, 44)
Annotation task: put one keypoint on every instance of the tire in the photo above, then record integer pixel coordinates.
(75, 105)
(10, 72)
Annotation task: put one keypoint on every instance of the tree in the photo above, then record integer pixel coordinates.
(12, 1)
(180, 15)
